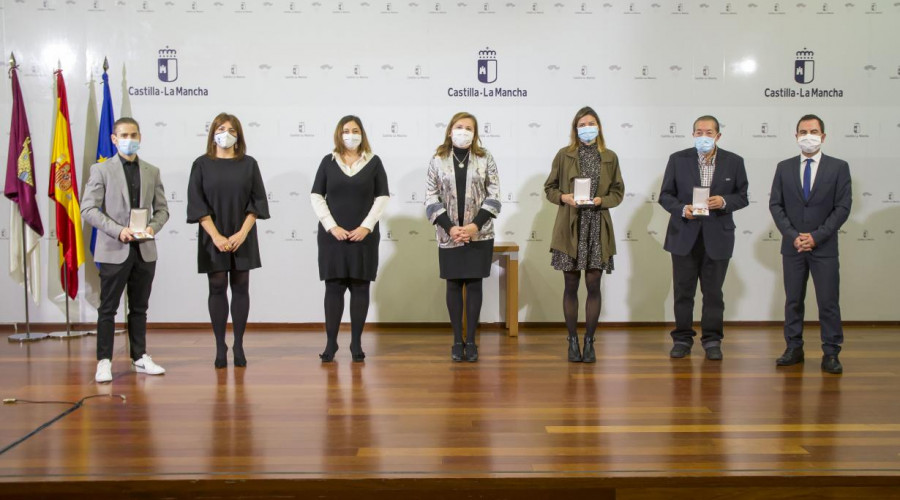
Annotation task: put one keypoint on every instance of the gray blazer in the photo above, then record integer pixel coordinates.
(106, 206)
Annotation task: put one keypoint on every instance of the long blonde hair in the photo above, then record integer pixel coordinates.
(446, 148)
(574, 141)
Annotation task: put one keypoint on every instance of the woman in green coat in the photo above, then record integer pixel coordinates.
(583, 238)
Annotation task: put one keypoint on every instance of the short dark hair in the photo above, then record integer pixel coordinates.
(706, 118)
(126, 120)
(811, 117)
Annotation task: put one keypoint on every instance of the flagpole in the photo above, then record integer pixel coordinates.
(116, 331)
(27, 336)
(68, 334)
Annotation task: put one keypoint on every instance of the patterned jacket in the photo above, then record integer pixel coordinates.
(482, 191)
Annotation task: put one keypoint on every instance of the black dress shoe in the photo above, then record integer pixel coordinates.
(574, 350)
(791, 356)
(714, 353)
(588, 355)
(831, 364)
(679, 351)
(239, 360)
(471, 352)
(457, 351)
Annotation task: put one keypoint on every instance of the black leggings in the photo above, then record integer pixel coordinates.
(218, 305)
(455, 307)
(592, 305)
(334, 311)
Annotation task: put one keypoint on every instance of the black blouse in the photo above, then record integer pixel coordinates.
(226, 189)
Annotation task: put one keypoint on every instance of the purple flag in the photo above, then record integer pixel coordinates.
(20, 180)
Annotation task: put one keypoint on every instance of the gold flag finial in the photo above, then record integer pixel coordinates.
(105, 64)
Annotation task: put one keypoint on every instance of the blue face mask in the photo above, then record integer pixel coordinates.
(704, 144)
(128, 147)
(588, 134)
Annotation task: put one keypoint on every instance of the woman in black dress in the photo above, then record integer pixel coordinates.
(462, 198)
(348, 195)
(226, 196)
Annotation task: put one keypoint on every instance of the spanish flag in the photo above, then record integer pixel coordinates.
(64, 189)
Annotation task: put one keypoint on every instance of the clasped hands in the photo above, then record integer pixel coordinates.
(463, 234)
(342, 234)
(230, 244)
(713, 203)
(804, 243)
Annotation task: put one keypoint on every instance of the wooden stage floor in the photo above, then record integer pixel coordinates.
(522, 422)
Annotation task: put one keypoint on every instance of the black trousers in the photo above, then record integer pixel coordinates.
(827, 281)
(138, 275)
(686, 270)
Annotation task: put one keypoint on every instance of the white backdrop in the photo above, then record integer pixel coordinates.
(290, 70)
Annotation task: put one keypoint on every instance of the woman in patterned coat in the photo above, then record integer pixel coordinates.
(462, 199)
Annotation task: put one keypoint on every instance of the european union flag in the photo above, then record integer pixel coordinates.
(105, 147)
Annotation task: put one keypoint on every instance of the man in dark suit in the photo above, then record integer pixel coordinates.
(701, 246)
(810, 201)
(114, 188)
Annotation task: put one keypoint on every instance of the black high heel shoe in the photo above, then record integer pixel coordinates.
(574, 350)
(221, 358)
(588, 356)
(457, 351)
(471, 352)
(328, 357)
(239, 359)
(357, 354)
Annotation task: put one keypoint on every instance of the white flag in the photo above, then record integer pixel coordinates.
(33, 249)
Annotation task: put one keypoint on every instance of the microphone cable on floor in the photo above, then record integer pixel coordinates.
(75, 405)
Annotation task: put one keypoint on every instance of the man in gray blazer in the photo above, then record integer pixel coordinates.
(810, 201)
(114, 188)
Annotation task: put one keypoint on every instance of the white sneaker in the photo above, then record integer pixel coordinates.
(104, 371)
(146, 365)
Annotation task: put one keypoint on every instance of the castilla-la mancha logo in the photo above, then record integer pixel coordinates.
(804, 67)
(487, 65)
(167, 65)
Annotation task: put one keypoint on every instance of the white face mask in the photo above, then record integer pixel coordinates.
(809, 143)
(225, 140)
(352, 141)
(461, 137)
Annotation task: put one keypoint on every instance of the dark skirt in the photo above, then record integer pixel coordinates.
(468, 261)
(348, 259)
